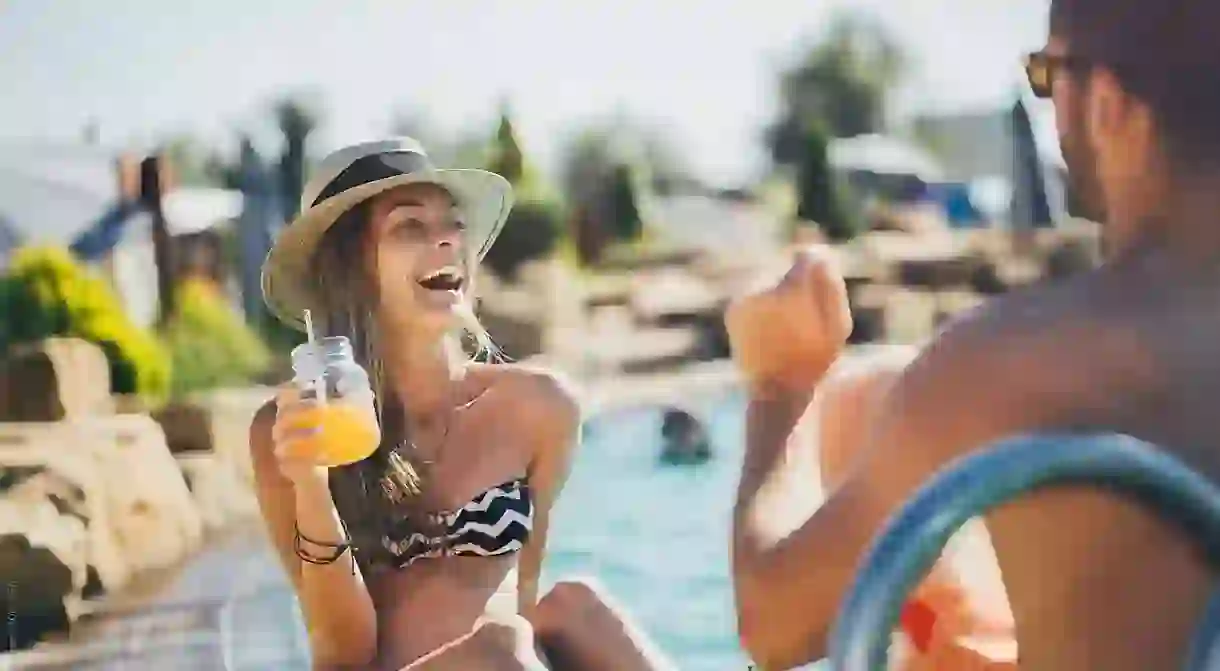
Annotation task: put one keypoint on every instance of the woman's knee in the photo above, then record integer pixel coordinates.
(568, 603)
(504, 632)
(500, 643)
(580, 627)
(571, 598)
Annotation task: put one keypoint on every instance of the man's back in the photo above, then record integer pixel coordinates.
(1133, 348)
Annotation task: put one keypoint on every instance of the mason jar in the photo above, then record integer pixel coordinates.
(344, 417)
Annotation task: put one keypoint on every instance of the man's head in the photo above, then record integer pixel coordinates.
(1136, 87)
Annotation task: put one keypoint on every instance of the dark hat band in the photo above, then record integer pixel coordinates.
(372, 168)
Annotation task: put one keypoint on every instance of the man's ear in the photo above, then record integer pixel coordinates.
(1112, 112)
(1117, 120)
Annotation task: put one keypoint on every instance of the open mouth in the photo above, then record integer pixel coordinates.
(444, 279)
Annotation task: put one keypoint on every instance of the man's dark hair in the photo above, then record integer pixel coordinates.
(1165, 53)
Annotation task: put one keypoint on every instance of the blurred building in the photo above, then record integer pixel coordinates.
(67, 194)
(729, 226)
(996, 150)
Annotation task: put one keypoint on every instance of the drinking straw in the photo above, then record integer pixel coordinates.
(320, 381)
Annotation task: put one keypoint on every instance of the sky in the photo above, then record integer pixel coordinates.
(704, 72)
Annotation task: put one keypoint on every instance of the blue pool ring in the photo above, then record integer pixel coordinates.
(915, 537)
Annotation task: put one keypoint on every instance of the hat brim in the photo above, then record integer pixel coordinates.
(483, 197)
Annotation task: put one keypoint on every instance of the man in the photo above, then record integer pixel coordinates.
(1094, 581)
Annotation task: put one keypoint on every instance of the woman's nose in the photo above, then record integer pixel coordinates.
(448, 238)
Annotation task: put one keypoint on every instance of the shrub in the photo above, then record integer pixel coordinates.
(624, 204)
(278, 336)
(533, 231)
(820, 196)
(47, 292)
(210, 343)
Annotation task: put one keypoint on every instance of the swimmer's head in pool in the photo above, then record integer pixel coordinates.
(1136, 88)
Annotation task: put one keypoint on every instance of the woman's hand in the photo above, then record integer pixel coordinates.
(290, 434)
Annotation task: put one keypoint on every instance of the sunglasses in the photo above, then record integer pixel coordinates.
(1041, 69)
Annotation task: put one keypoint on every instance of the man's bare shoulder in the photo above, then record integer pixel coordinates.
(1046, 357)
(1057, 332)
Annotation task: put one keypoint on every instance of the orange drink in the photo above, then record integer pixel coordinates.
(344, 413)
(344, 434)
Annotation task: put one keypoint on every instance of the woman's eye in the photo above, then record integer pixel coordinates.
(410, 227)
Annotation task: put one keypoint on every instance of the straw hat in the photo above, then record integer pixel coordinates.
(352, 175)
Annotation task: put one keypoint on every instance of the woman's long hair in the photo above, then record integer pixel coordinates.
(388, 487)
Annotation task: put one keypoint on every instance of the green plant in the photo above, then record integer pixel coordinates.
(46, 292)
(533, 231)
(211, 345)
(507, 159)
(280, 337)
(820, 197)
(624, 206)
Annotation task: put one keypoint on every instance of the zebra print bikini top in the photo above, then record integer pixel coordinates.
(496, 522)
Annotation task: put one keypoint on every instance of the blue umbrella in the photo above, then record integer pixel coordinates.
(1030, 205)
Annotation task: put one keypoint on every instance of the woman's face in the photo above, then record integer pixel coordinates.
(417, 240)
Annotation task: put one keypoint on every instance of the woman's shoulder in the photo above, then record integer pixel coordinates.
(531, 389)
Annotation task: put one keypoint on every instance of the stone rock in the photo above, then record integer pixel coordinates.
(231, 411)
(951, 304)
(885, 313)
(44, 565)
(154, 515)
(151, 513)
(910, 316)
(1070, 258)
(942, 273)
(220, 494)
(35, 471)
(56, 379)
(187, 427)
(38, 583)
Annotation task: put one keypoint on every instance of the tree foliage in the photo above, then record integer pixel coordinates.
(624, 210)
(533, 231)
(46, 293)
(211, 345)
(820, 196)
(842, 83)
(507, 159)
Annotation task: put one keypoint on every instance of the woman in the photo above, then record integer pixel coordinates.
(425, 555)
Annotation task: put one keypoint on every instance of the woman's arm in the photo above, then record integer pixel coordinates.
(554, 421)
(336, 605)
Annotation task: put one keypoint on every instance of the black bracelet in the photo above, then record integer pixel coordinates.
(305, 556)
(334, 546)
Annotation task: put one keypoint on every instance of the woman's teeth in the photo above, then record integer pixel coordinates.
(444, 279)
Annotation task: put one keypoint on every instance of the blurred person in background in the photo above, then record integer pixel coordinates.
(1094, 581)
(426, 554)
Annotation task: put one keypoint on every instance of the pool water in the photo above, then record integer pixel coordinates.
(657, 536)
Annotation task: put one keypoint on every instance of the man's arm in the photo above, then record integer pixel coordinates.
(969, 388)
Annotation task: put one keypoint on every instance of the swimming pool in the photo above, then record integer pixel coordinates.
(657, 536)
